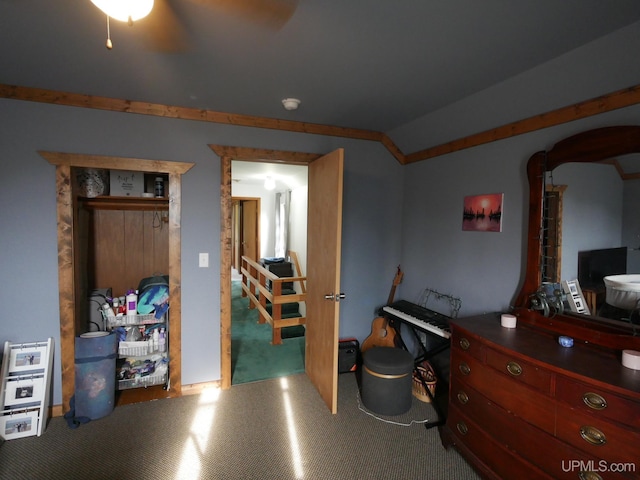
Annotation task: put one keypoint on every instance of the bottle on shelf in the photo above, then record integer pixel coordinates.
(162, 341)
(159, 187)
(122, 308)
(108, 311)
(156, 340)
(132, 302)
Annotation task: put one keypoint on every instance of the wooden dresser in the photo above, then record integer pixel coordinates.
(522, 406)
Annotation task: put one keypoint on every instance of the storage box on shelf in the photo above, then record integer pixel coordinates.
(138, 382)
(128, 320)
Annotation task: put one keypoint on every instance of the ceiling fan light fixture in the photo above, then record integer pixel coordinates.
(125, 10)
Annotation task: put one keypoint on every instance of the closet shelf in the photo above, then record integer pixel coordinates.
(125, 203)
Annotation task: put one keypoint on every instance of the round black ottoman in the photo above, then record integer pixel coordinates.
(386, 380)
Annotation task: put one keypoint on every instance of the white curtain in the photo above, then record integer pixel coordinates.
(283, 200)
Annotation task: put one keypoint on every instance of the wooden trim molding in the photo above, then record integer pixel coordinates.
(595, 106)
(264, 155)
(226, 251)
(115, 163)
(605, 103)
(64, 163)
(184, 113)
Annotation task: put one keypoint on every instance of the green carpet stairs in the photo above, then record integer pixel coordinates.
(253, 358)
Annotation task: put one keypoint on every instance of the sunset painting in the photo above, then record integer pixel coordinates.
(483, 213)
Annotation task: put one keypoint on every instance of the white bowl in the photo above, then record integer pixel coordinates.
(623, 291)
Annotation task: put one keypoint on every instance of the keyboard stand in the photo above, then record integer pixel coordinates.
(425, 356)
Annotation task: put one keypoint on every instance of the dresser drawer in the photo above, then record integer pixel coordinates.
(598, 402)
(555, 457)
(598, 437)
(520, 370)
(468, 344)
(509, 393)
(504, 463)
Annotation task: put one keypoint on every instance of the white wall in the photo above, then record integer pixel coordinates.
(267, 214)
(298, 231)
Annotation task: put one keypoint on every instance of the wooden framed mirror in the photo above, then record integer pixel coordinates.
(614, 148)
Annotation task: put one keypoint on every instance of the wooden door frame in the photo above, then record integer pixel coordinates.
(227, 154)
(64, 163)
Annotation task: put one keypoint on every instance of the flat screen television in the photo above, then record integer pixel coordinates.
(594, 265)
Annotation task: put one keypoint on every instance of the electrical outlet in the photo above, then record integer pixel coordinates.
(204, 260)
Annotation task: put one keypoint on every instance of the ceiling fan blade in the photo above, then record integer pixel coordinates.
(272, 14)
(163, 30)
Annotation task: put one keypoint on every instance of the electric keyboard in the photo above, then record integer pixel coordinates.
(420, 317)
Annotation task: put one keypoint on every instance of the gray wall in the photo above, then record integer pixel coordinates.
(485, 269)
(28, 257)
(409, 215)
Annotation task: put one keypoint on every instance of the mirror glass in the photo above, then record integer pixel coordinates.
(599, 226)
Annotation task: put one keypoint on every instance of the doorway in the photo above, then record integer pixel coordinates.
(328, 173)
(260, 222)
(68, 266)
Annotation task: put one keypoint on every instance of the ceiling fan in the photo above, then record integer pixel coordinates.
(164, 30)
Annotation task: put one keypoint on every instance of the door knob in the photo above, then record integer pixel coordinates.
(337, 298)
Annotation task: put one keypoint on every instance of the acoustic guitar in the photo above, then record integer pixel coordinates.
(382, 334)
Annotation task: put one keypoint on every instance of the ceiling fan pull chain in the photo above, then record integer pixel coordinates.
(109, 44)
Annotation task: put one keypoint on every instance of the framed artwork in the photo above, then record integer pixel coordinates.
(28, 358)
(23, 391)
(18, 425)
(483, 213)
(25, 379)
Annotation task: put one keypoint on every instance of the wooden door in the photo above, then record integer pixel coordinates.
(249, 234)
(324, 241)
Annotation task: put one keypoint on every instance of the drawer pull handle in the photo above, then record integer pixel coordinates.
(514, 369)
(464, 344)
(462, 428)
(592, 435)
(595, 401)
(589, 476)
(464, 369)
(463, 398)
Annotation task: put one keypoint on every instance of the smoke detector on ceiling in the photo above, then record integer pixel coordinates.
(291, 103)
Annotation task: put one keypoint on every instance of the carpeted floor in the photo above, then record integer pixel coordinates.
(253, 357)
(273, 430)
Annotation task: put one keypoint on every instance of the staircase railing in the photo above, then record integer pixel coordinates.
(254, 286)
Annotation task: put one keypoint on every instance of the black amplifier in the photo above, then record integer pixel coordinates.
(348, 352)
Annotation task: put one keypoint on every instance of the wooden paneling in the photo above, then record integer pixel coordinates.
(125, 247)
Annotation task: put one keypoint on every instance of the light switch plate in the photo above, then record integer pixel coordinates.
(204, 260)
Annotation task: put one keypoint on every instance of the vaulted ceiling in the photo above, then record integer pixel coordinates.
(372, 65)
